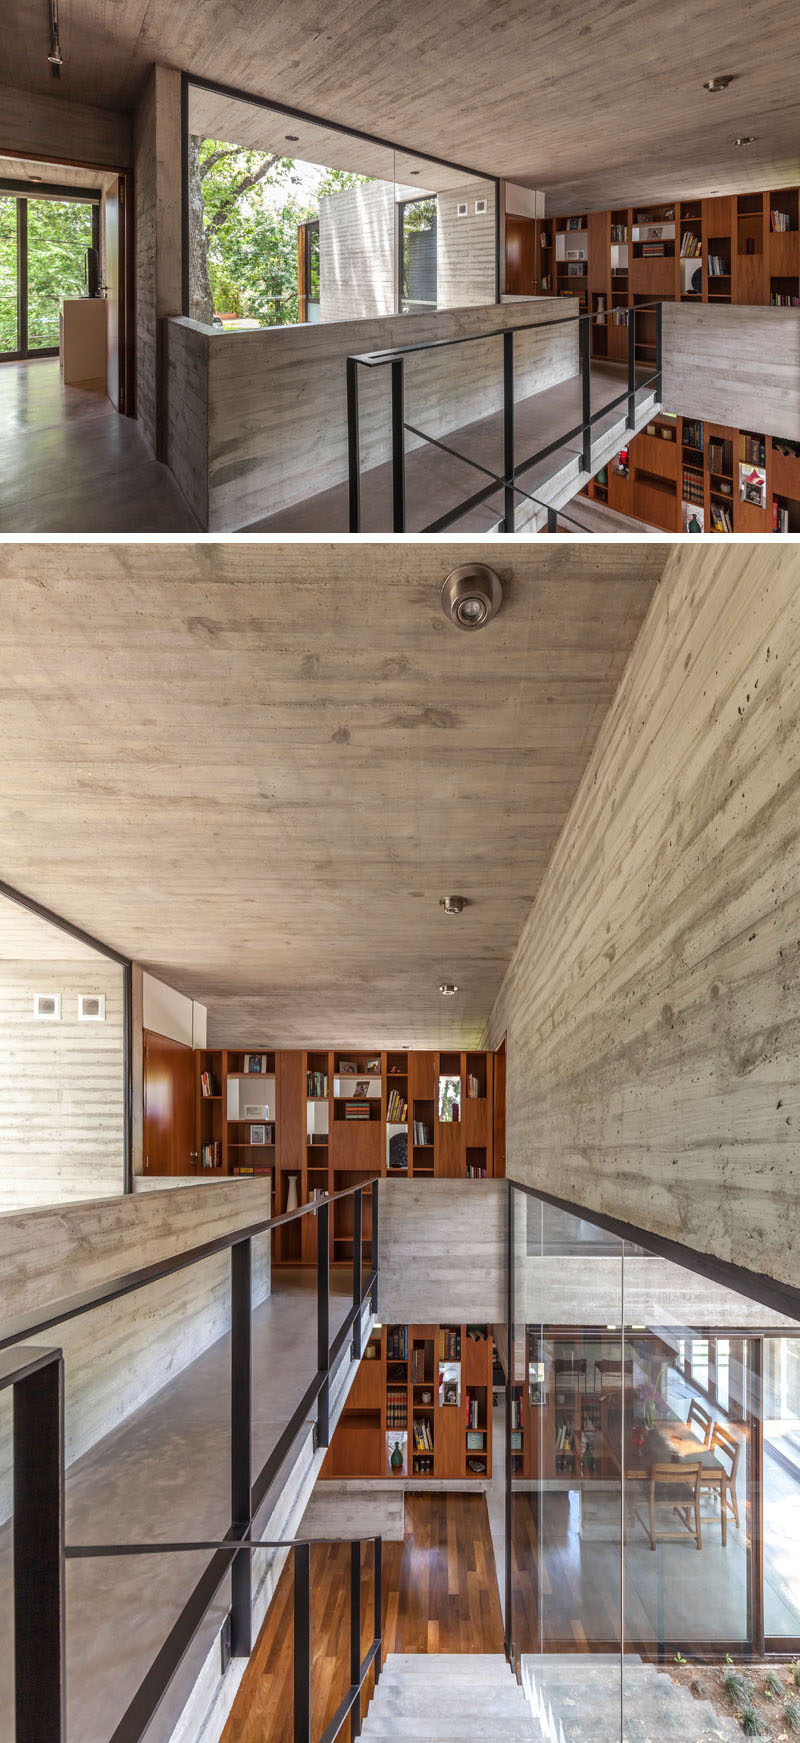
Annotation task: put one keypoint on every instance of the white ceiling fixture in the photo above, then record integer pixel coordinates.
(453, 904)
(745, 139)
(447, 988)
(471, 595)
(719, 82)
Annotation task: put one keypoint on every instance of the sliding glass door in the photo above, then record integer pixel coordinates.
(781, 1491)
(43, 242)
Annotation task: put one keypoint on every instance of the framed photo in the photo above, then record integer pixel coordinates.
(347, 1068)
(256, 1111)
(361, 1090)
(373, 1066)
(258, 1134)
(753, 484)
(254, 1064)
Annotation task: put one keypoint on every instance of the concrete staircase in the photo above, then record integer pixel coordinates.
(576, 1698)
(449, 1697)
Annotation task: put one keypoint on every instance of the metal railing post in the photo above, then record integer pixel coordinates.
(353, 447)
(241, 1443)
(358, 1217)
(586, 387)
(374, 1244)
(377, 1608)
(659, 359)
(398, 446)
(324, 1323)
(302, 1643)
(508, 430)
(508, 1618)
(632, 369)
(355, 1635)
(39, 1634)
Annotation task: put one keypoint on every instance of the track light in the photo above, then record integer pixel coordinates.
(471, 596)
(54, 56)
(453, 904)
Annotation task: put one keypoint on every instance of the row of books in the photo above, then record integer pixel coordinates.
(250, 1168)
(717, 459)
(654, 250)
(208, 1085)
(449, 1344)
(619, 233)
(396, 1108)
(718, 266)
(752, 449)
(721, 519)
(356, 1110)
(397, 1343)
(781, 221)
(418, 1365)
(780, 516)
(692, 487)
(316, 1084)
(474, 1173)
(211, 1154)
(516, 1410)
(472, 1410)
(423, 1435)
(396, 1407)
(691, 246)
(779, 301)
(574, 224)
(422, 1133)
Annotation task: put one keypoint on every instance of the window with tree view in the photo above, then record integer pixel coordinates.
(43, 245)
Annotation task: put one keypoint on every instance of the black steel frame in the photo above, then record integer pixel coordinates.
(40, 1552)
(779, 1297)
(394, 359)
(22, 192)
(125, 963)
(190, 80)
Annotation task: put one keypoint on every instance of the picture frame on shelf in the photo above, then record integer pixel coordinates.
(258, 1135)
(255, 1065)
(361, 1090)
(347, 1068)
(256, 1111)
(373, 1066)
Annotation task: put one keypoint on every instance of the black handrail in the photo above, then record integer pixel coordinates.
(395, 357)
(40, 1554)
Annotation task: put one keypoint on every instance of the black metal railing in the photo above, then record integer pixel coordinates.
(507, 481)
(36, 1376)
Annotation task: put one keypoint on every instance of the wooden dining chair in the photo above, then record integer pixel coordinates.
(721, 1482)
(697, 1414)
(678, 1488)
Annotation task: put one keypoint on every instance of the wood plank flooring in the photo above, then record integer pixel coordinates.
(70, 464)
(439, 1595)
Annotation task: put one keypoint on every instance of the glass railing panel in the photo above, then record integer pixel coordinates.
(571, 1388)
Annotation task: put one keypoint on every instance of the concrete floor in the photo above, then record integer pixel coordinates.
(70, 464)
(435, 481)
(164, 1474)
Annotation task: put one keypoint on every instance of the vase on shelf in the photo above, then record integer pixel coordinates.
(396, 1460)
(292, 1201)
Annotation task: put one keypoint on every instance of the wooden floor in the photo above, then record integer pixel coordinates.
(70, 464)
(439, 1595)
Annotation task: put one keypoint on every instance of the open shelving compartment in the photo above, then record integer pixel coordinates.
(209, 1121)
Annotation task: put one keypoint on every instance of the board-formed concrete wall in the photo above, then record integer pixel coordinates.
(357, 253)
(653, 1003)
(157, 197)
(734, 365)
(32, 125)
(465, 246)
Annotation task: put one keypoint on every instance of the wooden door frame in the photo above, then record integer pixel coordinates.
(127, 297)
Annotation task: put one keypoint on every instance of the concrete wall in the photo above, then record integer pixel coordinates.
(267, 423)
(733, 365)
(653, 1003)
(118, 1356)
(465, 247)
(61, 1086)
(34, 126)
(357, 253)
(157, 197)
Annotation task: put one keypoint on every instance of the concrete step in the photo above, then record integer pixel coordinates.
(577, 1700)
(449, 1698)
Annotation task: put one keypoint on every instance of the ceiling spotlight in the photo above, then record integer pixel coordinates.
(33, 178)
(471, 595)
(413, 172)
(453, 904)
(448, 988)
(292, 138)
(745, 139)
(54, 56)
(720, 82)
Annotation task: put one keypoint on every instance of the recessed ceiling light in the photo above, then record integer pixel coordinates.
(33, 178)
(453, 904)
(719, 82)
(448, 988)
(413, 172)
(745, 139)
(471, 595)
(292, 138)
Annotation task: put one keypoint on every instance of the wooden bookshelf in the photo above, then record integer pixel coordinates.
(210, 1126)
(426, 1389)
(679, 472)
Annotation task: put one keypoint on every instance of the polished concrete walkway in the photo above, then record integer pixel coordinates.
(164, 1475)
(436, 482)
(70, 464)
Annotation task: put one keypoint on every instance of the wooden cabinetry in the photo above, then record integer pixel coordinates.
(424, 1394)
(686, 475)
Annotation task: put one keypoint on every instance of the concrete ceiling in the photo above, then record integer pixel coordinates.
(24, 937)
(596, 101)
(256, 767)
(25, 169)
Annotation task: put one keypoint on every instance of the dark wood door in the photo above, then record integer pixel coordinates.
(169, 1106)
(520, 256)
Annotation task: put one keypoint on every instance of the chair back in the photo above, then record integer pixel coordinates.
(697, 1414)
(723, 1442)
(688, 1474)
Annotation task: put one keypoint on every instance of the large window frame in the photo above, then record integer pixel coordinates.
(192, 81)
(402, 207)
(23, 192)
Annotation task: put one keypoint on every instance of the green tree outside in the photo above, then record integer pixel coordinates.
(59, 233)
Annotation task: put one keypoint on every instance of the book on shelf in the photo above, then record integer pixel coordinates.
(471, 1409)
(721, 521)
(780, 516)
(547, 283)
(780, 221)
(692, 487)
(753, 449)
(693, 434)
(354, 1110)
(716, 458)
(396, 1108)
(574, 224)
(316, 1085)
(423, 1434)
(516, 1411)
(619, 233)
(691, 246)
(211, 1153)
(449, 1344)
(397, 1343)
(475, 1173)
(653, 250)
(781, 300)
(396, 1407)
(718, 266)
(208, 1085)
(422, 1133)
(473, 1087)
